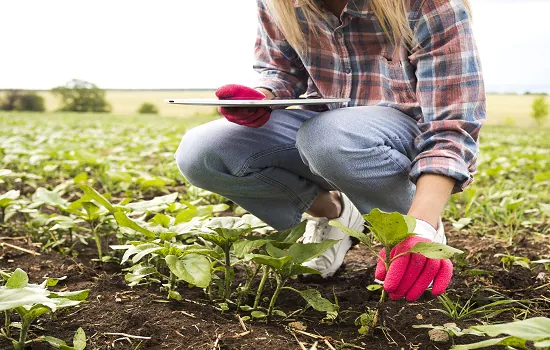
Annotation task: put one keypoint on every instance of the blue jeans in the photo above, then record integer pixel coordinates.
(276, 171)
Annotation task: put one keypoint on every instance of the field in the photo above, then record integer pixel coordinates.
(502, 109)
(98, 199)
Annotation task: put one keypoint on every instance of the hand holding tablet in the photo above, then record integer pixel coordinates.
(245, 106)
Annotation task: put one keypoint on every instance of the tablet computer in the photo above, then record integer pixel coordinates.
(254, 103)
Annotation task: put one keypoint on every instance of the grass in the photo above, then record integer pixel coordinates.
(502, 109)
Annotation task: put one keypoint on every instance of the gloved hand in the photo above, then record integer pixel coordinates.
(411, 274)
(253, 117)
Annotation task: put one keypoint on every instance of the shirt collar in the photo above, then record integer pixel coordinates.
(358, 8)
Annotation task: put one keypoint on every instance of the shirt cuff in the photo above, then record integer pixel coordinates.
(451, 167)
(278, 87)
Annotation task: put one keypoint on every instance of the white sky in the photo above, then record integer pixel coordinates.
(204, 44)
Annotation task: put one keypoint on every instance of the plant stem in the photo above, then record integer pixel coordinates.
(227, 277)
(23, 335)
(383, 296)
(246, 288)
(97, 239)
(265, 271)
(7, 321)
(280, 285)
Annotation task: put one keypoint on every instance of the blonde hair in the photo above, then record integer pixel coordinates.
(392, 15)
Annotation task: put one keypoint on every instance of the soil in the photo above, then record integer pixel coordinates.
(115, 315)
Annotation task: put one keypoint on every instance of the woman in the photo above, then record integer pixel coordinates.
(405, 142)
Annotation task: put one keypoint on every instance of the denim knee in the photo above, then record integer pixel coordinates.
(327, 148)
(197, 158)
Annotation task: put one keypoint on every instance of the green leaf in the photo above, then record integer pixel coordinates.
(78, 295)
(276, 263)
(243, 247)
(258, 314)
(50, 198)
(174, 295)
(55, 342)
(289, 236)
(316, 300)
(91, 209)
(533, 329)
(411, 222)
(93, 194)
(433, 250)
(19, 279)
(161, 220)
(52, 282)
(79, 339)
(81, 178)
(507, 341)
(374, 287)
(8, 197)
(389, 228)
(363, 238)
(187, 214)
(12, 298)
(301, 253)
(296, 270)
(275, 252)
(125, 221)
(542, 344)
(193, 268)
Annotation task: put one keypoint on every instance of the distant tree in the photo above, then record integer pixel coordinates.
(30, 101)
(82, 96)
(148, 108)
(540, 110)
(9, 101)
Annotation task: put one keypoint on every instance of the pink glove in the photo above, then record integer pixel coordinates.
(411, 274)
(253, 117)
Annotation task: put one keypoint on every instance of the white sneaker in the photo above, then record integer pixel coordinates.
(318, 230)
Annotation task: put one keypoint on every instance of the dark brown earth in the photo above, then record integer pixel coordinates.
(113, 307)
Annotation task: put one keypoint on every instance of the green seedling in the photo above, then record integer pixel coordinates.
(79, 341)
(287, 263)
(469, 310)
(223, 233)
(6, 200)
(390, 229)
(518, 335)
(31, 301)
(509, 260)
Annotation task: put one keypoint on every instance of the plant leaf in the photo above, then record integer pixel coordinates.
(93, 194)
(506, 341)
(243, 247)
(301, 253)
(363, 238)
(289, 236)
(276, 263)
(533, 329)
(388, 228)
(193, 268)
(433, 250)
(79, 339)
(125, 221)
(316, 300)
(50, 198)
(302, 270)
(18, 279)
(55, 342)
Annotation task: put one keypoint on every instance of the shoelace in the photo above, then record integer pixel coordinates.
(316, 230)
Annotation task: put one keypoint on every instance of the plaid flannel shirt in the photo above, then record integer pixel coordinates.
(438, 82)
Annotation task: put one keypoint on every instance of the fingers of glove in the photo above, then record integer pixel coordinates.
(395, 273)
(238, 92)
(423, 282)
(443, 277)
(380, 273)
(237, 113)
(260, 121)
(414, 269)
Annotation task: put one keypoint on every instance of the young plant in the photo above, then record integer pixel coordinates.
(467, 311)
(390, 229)
(79, 341)
(6, 200)
(31, 301)
(518, 334)
(287, 263)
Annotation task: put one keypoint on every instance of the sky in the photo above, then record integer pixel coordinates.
(169, 44)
